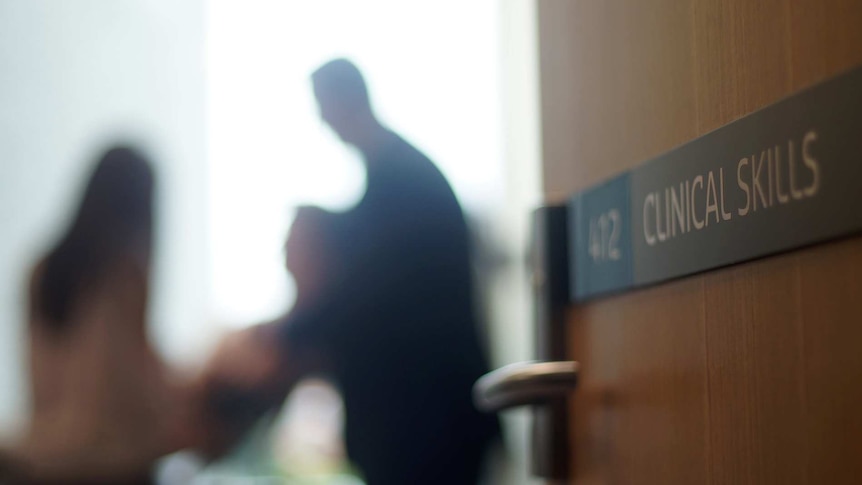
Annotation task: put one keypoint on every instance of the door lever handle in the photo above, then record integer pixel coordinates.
(524, 383)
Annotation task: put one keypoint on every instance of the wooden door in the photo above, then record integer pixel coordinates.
(748, 374)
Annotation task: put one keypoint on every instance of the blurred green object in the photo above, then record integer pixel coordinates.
(253, 461)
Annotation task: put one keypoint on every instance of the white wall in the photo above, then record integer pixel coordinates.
(74, 74)
(513, 332)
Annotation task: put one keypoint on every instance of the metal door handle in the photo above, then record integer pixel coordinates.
(524, 383)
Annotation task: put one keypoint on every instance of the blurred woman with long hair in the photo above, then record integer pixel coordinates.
(102, 408)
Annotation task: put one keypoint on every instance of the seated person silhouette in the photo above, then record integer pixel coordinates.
(249, 374)
(103, 409)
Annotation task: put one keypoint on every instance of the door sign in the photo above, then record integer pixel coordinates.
(784, 177)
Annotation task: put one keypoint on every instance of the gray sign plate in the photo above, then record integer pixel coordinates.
(783, 177)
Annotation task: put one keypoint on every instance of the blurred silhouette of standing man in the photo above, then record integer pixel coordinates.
(395, 325)
(405, 347)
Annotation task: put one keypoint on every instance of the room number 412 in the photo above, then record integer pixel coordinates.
(605, 236)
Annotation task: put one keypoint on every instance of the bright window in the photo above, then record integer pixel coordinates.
(432, 69)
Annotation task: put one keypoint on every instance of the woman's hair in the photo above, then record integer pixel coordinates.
(311, 243)
(114, 217)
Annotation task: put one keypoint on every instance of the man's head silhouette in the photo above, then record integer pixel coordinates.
(342, 96)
